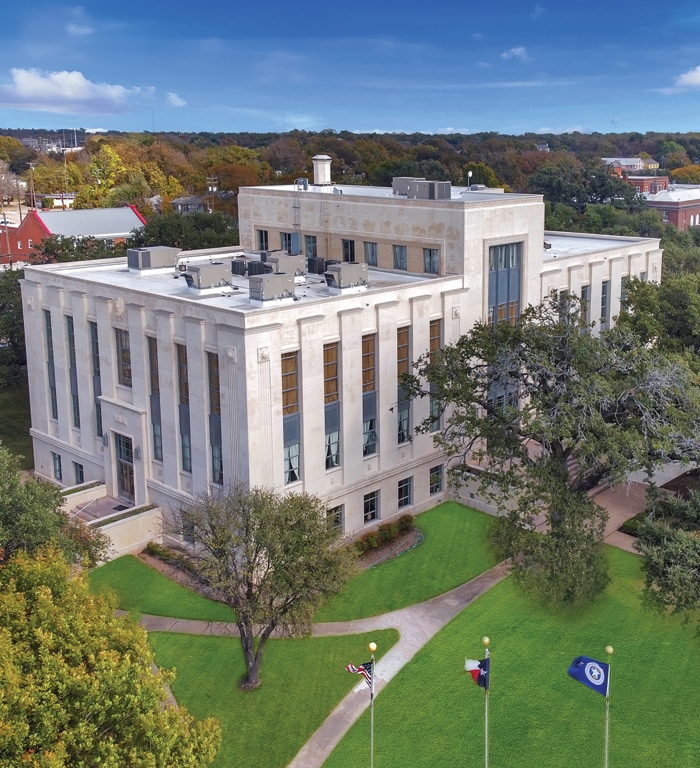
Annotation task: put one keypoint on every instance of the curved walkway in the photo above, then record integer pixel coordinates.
(416, 625)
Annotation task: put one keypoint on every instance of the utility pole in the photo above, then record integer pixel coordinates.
(212, 181)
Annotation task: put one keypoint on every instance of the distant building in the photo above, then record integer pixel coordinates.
(277, 363)
(679, 205)
(623, 165)
(113, 225)
(647, 185)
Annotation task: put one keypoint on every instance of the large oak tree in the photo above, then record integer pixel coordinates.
(273, 558)
(541, 412)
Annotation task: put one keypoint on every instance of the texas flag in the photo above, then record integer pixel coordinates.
(479, 670)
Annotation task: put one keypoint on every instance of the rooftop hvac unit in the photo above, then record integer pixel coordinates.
(287, 263)
(155, 257)
(270, 287)
(210, 275)
(238, 267)
(346, 275)
(415, 188)
(315, 265)
(257, 268)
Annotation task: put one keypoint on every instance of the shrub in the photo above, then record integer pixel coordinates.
(406, 523)
(387, 533)
(631, 526)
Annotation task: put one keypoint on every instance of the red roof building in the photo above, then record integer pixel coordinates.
(114, 225)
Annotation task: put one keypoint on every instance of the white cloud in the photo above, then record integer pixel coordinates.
(539, 11)
(691, 78)
(176, 101)
(79, 30)
(63, 92)
(516, 53)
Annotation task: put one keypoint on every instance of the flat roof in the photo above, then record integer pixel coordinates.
(457, 194)
(166, 282)
(572, 244)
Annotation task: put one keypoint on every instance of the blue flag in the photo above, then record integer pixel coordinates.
(592, 673)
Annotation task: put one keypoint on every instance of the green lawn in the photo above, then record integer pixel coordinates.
(432, 714)
(15, 423)
(303, 680)
(141, 589)
(454, 551)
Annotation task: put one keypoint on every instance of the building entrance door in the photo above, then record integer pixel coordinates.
(125, 467)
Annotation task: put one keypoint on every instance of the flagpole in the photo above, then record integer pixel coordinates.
(487, 642)
(609, 650)
(373, 648)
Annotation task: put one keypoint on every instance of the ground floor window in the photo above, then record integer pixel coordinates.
(371, 506)
(405, 492)
(57, 467)
(79, 473)
(436, 475)
(334, 516)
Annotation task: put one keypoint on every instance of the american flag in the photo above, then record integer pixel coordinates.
(365, 669)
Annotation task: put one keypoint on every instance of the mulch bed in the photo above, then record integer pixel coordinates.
(389, 551)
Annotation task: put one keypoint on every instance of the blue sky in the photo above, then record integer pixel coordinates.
(510, 67)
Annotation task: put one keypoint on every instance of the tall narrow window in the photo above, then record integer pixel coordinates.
(96, 376)
(57, 466)
(435, 343)
(217, 463)
(369, 395)
(154, 380)
(123, 357)
(261, 239)
(50, 364)
(331, 395)
(431, 260)
(311, 246)
(291, 424)
(79, 473)
(348, 250)
(183, 388)
(504, 282)
(370, 254)
(73, 372)
(402, 368)
(605, 304)
(400, 257)
(286, 241)
(623, 288)
(586, 304)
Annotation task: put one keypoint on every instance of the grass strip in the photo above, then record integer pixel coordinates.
(142, 589)
(453, 552)
(303, 680)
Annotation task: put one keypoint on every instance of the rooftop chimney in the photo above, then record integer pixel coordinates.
(322, 170)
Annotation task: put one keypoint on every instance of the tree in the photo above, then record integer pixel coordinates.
(539, 413)
(13, 356)
(190, 232)
(63, 248)
(77, 682)
(31, 515)
(274, 559)
(670, 543)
